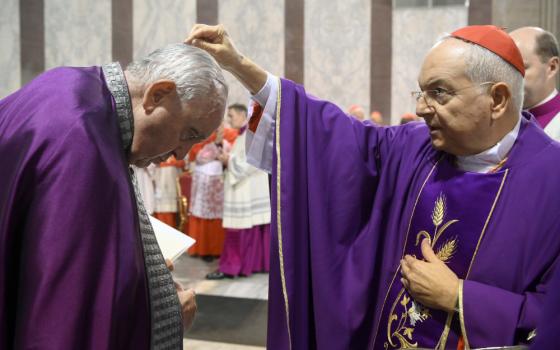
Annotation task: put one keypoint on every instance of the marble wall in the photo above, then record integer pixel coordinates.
(156, 25)
(337, 51)
(415, 30)
(10, 71)
(77, 33)
(257, 28)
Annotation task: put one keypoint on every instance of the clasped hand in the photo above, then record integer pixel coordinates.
(430, 282)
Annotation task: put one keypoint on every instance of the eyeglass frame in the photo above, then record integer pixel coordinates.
(422, 93)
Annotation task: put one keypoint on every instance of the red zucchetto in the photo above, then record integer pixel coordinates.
(495, 40)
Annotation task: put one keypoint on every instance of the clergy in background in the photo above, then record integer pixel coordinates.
(80, 265)
(246, 218)
(439, 235)
(539, 49)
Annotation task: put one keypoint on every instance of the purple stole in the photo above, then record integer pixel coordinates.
(452, 210)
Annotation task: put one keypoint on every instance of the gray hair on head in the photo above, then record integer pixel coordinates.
(194, 72)
(483, 65)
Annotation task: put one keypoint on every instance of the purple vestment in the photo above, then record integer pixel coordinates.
(547, 111)
(246, 251)
(346, 194)
(549, 323)
(72, 272)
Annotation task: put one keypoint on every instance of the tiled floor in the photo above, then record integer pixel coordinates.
(191, 272)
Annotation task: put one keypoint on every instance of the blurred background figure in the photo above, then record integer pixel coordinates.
(376, 117)
(207, 193)
(165, 194)
(409, 117)
(145, 178)
(539, 49)
(357, 112)
(246, 209)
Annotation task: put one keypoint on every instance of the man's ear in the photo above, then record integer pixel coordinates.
(553, 67)
(501, 99)
(155, 94)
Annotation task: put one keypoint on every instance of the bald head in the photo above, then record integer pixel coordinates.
(539, 49)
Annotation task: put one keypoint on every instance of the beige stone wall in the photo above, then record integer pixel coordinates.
(410, 47)
(156, 25)
(258, 30)
(77, 33)
(337, 51)
(10, 71)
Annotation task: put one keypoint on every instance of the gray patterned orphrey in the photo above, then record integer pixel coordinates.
(165, 309)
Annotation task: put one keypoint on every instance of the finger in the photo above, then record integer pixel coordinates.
(405, 269)
(409, 260)
(206, 46)
(205, 32)
(191, 291)
(196, 27)
(428, 252)
(194, 32)
(169, 264)
(405, 283)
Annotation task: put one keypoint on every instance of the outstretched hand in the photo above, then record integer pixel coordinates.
(216, 41)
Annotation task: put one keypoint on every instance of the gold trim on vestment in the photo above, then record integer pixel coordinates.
(461, 313)
(445, 334)
(487, 221)
(461, 316)
(278, 212)
(403, 250)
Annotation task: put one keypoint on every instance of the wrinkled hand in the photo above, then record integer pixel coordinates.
(216, 41)
(430, 282)
(187, 298)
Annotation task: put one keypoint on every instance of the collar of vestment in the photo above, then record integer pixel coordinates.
(548, 98)
(116, 82)
(485, 161)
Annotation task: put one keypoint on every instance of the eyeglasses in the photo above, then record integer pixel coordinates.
(440, 95)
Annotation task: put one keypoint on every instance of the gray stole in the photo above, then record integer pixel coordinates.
(165, 309)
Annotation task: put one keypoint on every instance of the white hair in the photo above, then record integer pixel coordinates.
(483, 65)
(194, 72)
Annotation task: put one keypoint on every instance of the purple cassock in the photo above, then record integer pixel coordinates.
(350, 199)
(72, 272)
(547, 111)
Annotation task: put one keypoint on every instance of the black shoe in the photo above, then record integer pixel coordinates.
(208, 258)
(217, 275)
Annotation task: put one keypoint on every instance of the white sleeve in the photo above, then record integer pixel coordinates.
(260, 145)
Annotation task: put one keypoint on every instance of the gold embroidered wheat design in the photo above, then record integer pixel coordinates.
(439, 211)
(447, 250)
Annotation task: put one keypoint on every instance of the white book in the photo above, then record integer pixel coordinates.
(172, 242)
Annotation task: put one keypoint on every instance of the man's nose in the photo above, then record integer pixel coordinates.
(423, 108)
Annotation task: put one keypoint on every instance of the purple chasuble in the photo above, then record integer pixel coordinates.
(546, 112)
(72, 274)
(549, 324)
(351, 198)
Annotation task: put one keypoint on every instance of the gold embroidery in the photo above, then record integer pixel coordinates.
(417, 313)
(461, 311)
(372, 344)
(279, 213)
(447, 250)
